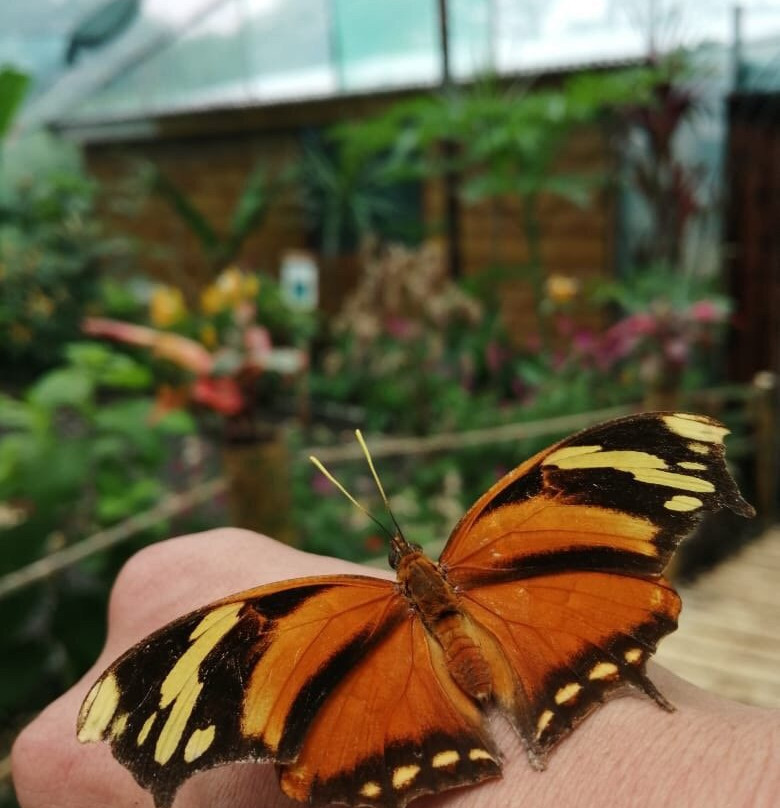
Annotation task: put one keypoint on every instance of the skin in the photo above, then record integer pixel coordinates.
(710, 752)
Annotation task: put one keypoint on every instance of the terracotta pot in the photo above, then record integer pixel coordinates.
(259, 493)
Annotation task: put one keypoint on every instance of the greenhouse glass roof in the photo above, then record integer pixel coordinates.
(104, 60)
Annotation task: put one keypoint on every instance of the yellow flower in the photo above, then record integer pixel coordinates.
(231, 288)
(230, 283)
(562, 289)
(251, 287)
(208, 336)
(211, 301)
(40, 304)
(167, 307)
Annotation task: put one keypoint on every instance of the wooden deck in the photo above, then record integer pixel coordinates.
(728, 641)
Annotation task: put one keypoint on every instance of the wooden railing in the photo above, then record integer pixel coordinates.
(755, 405)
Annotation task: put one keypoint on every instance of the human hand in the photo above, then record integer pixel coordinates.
(709, 753)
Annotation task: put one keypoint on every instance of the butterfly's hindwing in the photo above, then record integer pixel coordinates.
(396, 727)
(570, 639)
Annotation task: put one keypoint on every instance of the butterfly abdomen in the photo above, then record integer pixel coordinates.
(438, 605)
(465, 661)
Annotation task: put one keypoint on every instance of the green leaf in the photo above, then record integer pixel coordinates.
(109, 367)
(67, 387)
(13, 88)
(14, 414)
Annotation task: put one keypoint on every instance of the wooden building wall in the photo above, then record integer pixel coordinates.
(753, 232)
(209, 158)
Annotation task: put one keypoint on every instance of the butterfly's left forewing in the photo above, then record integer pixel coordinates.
(241, 679)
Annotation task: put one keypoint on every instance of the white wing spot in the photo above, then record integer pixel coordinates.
(479, 754)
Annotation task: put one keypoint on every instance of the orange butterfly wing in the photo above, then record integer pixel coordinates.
(241, 679)
(396, 727)
(551, 580)
(560, 562)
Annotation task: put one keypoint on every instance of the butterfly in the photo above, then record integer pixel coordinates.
(548, 595)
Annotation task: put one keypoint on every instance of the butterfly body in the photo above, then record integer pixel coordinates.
(437, 603)
(548, 596)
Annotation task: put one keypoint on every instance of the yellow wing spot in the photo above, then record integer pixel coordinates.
(569, 453)
(173, 729)
(404, 775)
(199, 742)
(687, 464)
(479, 754)
(567, 693)
(543, 722)
(633, 655)
(695, 428)
(681, 502)
(146, 729)
(181, 686)
(442, 759)
(602, 670)
(371, 789)
(119, 725)
(699, 448)
(643, 466)
(98, 709)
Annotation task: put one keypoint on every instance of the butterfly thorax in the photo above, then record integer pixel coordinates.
(437, 603)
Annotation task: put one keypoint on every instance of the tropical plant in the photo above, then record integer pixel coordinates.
(220, 248)
(78, 452)
(221, 353)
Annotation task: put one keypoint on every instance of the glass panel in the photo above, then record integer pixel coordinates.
(289, 52)
(387, 44)
(471, 35)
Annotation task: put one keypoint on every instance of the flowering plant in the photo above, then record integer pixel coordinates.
(220, 345)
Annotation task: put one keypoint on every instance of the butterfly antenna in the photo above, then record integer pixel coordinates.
(364, 447)
(349, 496)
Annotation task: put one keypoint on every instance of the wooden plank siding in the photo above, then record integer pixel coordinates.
(753, 232)
(212, 169)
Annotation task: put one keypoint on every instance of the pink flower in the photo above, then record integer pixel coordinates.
(399, 327)
(676, 350)
(706, 312)
(494, 356)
